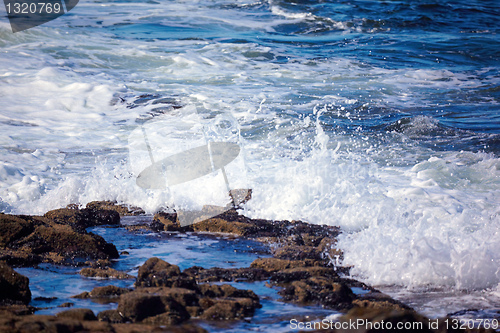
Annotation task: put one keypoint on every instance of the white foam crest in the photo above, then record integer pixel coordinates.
(436, 223)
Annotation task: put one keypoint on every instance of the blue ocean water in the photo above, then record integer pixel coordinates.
(381, 117)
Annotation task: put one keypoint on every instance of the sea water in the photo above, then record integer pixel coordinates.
(381, 117)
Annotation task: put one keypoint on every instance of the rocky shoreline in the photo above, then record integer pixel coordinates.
(166, 299)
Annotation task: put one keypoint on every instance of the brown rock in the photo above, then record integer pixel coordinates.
(106, 273)
(275, 264)
(80, 219)
(301, 273)
(159, 273)
(137, 306)
(63, 240)
(319, 290)
(104, 292)
(227, 274)
(110, 316)
(227, 308)
(123, 210)
(226, 290)
(373, 317)
(14, 287)
(166, 221)
(13, 228)
(78, 314)
(184, 297)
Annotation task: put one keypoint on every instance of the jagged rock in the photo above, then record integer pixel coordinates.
(226, 290)
(80, 219)
(158, 273)
(29, 240)
(227, 308)
(137, 306)
(276, 264)
(106, 273)
(301, 273)
(372, 317)
(14, 287)
(110, 316)
(217, 274)
(122, 210)
(104, 292)
(63, 240)
(78, 314)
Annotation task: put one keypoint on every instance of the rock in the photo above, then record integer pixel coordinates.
(110, 316)
(80, 219)
(78, 314)
(137, 306)
(122, 210)
(220, 225)
(183, 296)
(104, 273)
(14, 287)
(301, 273)
(380, 301)
(370, 318)
(166, 221)
(37, 323)
(227, 308)
(276, 264)
(29, 240)
(158, 273)
(104, 292)
(13, 228)
(226, 290)
(64, 241)
(217, 274)
(319, 290)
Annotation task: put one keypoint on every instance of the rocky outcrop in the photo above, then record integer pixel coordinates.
(14, 287)
(104, 273)
(58, 237)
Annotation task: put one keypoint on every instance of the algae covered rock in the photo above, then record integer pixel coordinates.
(14, 287)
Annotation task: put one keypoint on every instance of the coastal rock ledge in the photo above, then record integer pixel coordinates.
(303, 268)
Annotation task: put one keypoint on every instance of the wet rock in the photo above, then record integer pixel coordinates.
(104, 292)
(13, 228)
(226, 290)
(276, 264)
(64, 241)
(377, 300)
(110, 316)
(319, 290)
(80, 219)
(369, 319)
(37, 323)
(14, 287)
(166, 221)
(137, 306)
(301, 273)
(78, 314)
(217, 274)
(158, 273)
(122, 210)
(227, 308)
(184, 297)
(106, 273)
